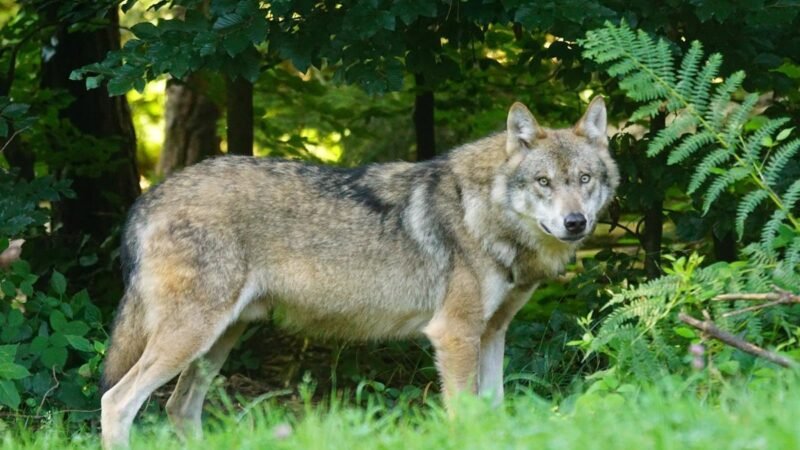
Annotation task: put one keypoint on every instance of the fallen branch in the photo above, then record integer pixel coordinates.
(708, 327)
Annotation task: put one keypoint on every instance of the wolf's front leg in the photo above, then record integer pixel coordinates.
(455, 332)
(457, 350)
(493, 343)
(490, 378)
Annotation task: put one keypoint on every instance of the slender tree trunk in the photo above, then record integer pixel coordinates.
(191, 126)
(239, 116)
(654, 217)
(423, 120)
(16, 154)
(724, 247)
(102, 196)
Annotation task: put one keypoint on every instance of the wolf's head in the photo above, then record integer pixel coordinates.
(556, 182)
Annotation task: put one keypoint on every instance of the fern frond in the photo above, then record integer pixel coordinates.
(791, 195)
(690, 145)
(669, 135)
(786, 273)
(770, 229)
(713, 120)
(690, 66)
(754, 144)
(648, 110)
(793, 257)
(640, 87)
(730, 177)
(779, 160)
(748, 204)
(721, 99)
(699, 98)
(714, 159)
(737, 119)
(759, 255)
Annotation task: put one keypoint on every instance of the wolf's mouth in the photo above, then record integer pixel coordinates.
(546, 230)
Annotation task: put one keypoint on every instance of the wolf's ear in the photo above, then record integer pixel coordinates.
(593, 123)
(521, 126)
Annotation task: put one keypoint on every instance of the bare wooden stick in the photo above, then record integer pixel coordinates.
(779, 294)
(708, 327)
(757, 307)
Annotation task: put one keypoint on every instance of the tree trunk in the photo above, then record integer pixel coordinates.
(239, 116)
(18, 155)
(654, 217)
(191, 126)
(724, 247)
(423, 120)
(103, 196)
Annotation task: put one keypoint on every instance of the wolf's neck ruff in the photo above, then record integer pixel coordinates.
(451, 248)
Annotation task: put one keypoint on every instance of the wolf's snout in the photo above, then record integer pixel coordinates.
(575, 223)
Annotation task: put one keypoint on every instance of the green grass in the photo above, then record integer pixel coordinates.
(756, 416)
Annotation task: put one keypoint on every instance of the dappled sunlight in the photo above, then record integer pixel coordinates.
(326, 147)
(147, 109)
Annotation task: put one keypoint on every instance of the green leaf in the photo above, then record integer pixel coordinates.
(58, 321)
(94, 82)
(9, 395)
(3, 128)
(235, 43)
(58, 283)
(228, 20)
(79, 343)
(76, 328)
(789, 69)
(146, 30)
(15, 110)
(38, 345)
(8, 288)
(26, 287)
(784, 134)
(685, 332)
(15, 318)
(80, 299)
(58, 340)
(54, 357)
(8, 352)
(12, 371)
(9, 370)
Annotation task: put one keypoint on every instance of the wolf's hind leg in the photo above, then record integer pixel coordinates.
(185, 405)
(169, 350)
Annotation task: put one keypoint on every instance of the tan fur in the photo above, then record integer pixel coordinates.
(450, 248)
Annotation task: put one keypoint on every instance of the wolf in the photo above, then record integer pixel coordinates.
(450, 248)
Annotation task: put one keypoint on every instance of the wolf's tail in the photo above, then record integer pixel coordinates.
(128, 340)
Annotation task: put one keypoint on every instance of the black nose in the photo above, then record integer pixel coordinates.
(575, 223)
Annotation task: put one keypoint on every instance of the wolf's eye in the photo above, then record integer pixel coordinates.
(543, 181)
(585, 178)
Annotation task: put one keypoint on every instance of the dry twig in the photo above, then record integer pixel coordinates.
(779, 297)
(709, 328)
(779, 294)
